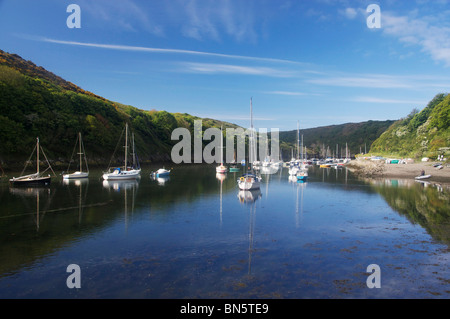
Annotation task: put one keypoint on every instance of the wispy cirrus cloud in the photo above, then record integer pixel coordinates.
(383, 81)
(286, 93)
(124, 14)
(368, 99)
(215, 68)
(195, 19)
(214, 19)
(121, 47)
(379, 81)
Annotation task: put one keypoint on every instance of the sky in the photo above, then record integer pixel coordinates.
(312, 62)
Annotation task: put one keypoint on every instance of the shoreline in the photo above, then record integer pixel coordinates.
(379, 169)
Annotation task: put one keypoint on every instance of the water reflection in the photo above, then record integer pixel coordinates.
(301, 185)
(82, 185)
(34, 196)
(249, 196)
(121, 185)
(423, 203)
(162, 180)
(296, 241)
(129, 190)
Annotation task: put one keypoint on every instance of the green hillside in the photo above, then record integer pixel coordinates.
(358, 136)
(424, 133)
(35, 102)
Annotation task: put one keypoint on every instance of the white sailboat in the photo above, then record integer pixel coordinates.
(250, 180)
(221, 169)
(118, 173)
(294, 167)
(80, 173)
(33, 179)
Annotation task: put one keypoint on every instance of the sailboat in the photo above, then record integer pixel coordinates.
(221, 169)
(80, 173)
(127, 172)
(36, 178)
(294, 166)
(250, 180)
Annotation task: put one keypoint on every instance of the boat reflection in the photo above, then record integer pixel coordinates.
(249, 196)
(121, 184)
(221, 176)
(269, 170)
(76, 182)
(124, 186)
(28, 193)
(162, 180)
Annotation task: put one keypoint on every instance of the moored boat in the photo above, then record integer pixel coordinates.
(221, 169)
(36, 179)
(249, 181)
(162, 172)
(422, 177)
(302, 175)
(127, 172)
(80, 173)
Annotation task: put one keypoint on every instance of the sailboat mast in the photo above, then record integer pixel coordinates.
(298, 142)
(134, 153)
(126, 144)
(302, 149)
(221, 146)
(79, 141)
(37, 160)
(250, 156)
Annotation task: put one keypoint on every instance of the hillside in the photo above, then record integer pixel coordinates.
(424, 133)
(35, 102)
(358, 136)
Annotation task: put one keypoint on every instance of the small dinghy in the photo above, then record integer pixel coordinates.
(423, 177)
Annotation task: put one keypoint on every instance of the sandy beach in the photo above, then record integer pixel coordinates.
(369, 168)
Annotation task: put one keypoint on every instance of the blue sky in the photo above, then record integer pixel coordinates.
(312, 61)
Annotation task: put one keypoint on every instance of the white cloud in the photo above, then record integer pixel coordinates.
(367, 99)
(125, 14)
(350, 13)
(214, 68)
(213, 19)
(434, 39)
(365, 81)
(288, 93)
(159, 50)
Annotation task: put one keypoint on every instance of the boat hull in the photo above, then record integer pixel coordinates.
(247, 183)
(161, 173)
(76, 175)
(423, 177)
(221, 169)
(122, 175)
(247, 186)
(38, 181)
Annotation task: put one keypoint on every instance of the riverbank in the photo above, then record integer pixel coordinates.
(368, 168)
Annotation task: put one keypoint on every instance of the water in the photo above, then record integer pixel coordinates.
(192, 236)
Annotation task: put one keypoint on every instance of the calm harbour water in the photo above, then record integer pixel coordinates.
(197, 236)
